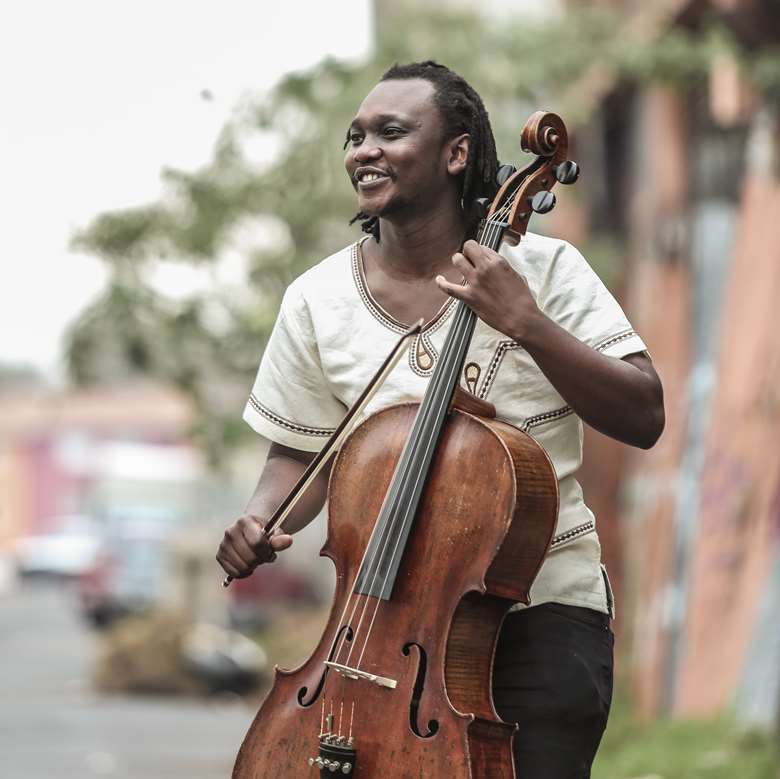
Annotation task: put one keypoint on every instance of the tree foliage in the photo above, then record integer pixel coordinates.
(283, 215)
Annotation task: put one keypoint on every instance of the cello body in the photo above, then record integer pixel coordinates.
(420, 705)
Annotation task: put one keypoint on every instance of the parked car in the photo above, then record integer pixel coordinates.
(259, 599)
(127, 574)
(66, 552)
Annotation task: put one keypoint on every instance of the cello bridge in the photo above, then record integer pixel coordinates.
(355, 673)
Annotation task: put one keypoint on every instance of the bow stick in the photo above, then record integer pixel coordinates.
(339, 434)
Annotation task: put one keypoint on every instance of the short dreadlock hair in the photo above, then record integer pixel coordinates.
(462, 111)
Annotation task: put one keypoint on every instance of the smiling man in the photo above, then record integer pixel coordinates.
(552, 349)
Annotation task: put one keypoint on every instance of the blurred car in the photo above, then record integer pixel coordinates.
(127, 574)
(271, 590)
(68, 551)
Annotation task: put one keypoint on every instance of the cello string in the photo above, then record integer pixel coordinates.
(422, 435)
(490, 231)
(391, 499)
(345, 635)
(428, 444)
(432, 412)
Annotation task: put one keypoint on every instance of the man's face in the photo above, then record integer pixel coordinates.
(396, 156)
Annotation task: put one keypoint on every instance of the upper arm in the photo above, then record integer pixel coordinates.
(300, 456)
(280, 450)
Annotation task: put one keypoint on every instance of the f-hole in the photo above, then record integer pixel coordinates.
(419, 684)
(304, 690)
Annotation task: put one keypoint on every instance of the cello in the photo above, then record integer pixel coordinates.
(427, 561)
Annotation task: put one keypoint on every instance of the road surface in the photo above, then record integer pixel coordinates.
(52, 724)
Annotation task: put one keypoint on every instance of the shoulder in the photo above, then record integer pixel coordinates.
(539, 252)
(317, 287)
(544, 260)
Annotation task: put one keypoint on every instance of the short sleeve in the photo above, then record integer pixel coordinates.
(575, 297)
(291, 402)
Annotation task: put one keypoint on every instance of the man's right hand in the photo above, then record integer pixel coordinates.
(246, 545)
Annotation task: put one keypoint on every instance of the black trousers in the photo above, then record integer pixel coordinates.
(553, 676)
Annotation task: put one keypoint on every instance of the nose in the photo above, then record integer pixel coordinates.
(367, 152)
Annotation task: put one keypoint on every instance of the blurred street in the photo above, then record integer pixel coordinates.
(53, 724)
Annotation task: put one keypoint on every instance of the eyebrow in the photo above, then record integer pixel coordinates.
(383, 119)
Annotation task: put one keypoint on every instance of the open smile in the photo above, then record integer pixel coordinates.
(369, 178)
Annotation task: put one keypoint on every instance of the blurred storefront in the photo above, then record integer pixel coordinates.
(693, 179)
(65, 453)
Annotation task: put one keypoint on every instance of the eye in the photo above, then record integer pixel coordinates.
(353, 137)
(393, 132)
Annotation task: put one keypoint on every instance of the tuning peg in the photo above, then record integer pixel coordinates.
(543, 201)
(504, 172)
(567, 172)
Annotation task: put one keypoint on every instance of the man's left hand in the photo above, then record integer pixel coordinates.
(496, 293)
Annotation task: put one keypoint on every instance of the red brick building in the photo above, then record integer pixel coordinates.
(694, 180)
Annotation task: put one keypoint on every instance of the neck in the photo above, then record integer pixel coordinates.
(422, 244)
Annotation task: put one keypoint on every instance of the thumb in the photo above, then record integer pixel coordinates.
(280, 541)
(448, 287)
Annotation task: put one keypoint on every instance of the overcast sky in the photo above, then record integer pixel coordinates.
(97, 96)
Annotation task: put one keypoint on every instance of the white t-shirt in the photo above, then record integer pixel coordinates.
(331, 336)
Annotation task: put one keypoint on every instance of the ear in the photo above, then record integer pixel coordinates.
(458, 154)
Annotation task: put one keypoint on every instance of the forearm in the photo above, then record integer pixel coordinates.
(282, 471)
(613, 396)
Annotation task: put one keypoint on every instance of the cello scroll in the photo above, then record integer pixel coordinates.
(530, 190)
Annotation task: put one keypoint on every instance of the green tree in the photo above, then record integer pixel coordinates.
(284, 215)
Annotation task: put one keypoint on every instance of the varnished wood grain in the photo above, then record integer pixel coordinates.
(465, 401)
(464, 564)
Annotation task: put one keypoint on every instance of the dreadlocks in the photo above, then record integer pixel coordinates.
(462, 111)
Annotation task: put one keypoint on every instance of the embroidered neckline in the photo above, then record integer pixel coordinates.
(379, 313)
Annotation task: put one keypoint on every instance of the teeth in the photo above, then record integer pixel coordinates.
(370, 176)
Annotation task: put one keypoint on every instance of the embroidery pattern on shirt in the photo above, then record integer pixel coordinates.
(495, 364)
(471, 372)
(366, 298)
(286, 423)
(572, 534)
(423, 343)
(615, 339)
(422, 354)
(547, 416)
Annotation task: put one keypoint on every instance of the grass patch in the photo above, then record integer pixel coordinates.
(683, 749)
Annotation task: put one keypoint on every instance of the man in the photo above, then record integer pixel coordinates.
(552, 348)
